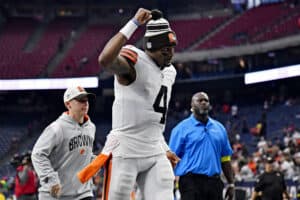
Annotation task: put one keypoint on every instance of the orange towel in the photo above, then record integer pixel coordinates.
(91, 169)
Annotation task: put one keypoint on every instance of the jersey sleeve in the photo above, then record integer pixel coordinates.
(40, 156)
(176, 140)
(226, 147)
(129, 53)
(259, 184)
(283, 181)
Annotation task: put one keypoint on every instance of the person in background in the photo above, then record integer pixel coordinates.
(203, 146)
(64, 148)
(26, 180)
(271, 184)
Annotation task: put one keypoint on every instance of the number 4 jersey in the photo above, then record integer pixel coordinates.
(139, 109)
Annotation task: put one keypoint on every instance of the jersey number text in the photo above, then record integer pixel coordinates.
(162, 95)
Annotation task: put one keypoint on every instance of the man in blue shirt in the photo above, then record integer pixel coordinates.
(203, 146)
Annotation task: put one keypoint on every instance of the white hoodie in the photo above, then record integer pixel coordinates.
(63, 149)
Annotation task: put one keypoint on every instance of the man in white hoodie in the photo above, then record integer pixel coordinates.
(64, 148)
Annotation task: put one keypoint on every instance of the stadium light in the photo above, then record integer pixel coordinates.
(48, 83)
(272, 74)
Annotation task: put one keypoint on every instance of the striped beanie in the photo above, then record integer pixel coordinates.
(158, 32)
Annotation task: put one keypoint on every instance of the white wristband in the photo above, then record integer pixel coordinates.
(231, 185)
(129, 29)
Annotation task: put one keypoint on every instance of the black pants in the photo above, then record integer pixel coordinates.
(200, 187)
(87, 198)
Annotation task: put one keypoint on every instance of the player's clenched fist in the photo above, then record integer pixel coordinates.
(143, 15)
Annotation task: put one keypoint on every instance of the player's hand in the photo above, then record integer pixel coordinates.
(143, 16)
(55, 190)
(174, 159)
(229, 195)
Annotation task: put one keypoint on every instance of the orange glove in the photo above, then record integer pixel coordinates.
(91, 169)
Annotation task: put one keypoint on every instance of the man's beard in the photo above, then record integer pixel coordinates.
(202, 112)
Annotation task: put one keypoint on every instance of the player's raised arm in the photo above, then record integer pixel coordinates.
(110, 58)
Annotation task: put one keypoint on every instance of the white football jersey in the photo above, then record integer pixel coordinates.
(140, 109)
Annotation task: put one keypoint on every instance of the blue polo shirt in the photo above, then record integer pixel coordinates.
(199, 146)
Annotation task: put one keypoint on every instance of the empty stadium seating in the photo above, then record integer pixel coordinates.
(283, 29)
(88, 45)
(190, 30)
(247, 26)
(12, 57)
(263, 23)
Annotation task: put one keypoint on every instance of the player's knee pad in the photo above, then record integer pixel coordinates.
(122, 186)
(164, 173)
